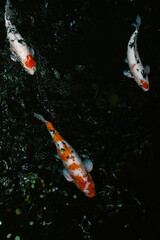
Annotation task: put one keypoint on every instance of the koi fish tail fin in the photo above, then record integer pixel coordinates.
(8, 16)
(8, 12)
(40, 117)
(48, 124)
(138, 22)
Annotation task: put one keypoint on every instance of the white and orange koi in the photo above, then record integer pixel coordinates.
(137, 71)
(75, 170)
(20, 51)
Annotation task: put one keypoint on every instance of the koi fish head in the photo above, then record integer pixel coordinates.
(85, 184)
(141, 79)
(144, 84)
(90, 188)
(30, 64)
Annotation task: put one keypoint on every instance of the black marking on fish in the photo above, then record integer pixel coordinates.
(137, 70)
(138, 61)
(62, 149)
(10, 30)
(131, 44)
(21, 41)
(64, 143)
(135, 55)
(67, 157)
(52, 131)
(13, 52)
(143, 74)
(14, 31)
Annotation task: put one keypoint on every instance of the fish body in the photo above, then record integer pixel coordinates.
(20, 50)
(136, 69)
(75, 170)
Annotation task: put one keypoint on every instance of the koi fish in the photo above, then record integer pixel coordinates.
(75, 170)
(20, 51)
(137, 71)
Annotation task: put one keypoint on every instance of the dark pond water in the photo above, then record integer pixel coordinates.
(80, 47)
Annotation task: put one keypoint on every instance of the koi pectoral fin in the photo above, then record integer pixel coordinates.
(57, 157)
(126, 60)
(67, 175)
(13, 58)
(32, 51)
(88, 165)
(147, 69)
(128, 74)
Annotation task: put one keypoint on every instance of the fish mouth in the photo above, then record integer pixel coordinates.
(146, 90)
(31, 71)
(92, 194)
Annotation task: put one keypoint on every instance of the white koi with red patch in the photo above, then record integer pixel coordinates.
(75, 170)
(19, 48)
(137, 71)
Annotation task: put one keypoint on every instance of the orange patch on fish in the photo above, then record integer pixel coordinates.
(80, 182)
(57, 137)
(84, 175)
(69, 149)
(30, 63)
(133, 66)
(49, 126)
(74, 166)
(63, 155)
(91, 189)
(144, 84)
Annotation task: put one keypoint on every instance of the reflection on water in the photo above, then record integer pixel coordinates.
(80, 48)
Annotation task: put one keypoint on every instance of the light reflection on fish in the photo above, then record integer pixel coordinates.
(75, 170)
(20, 51)
(137, 71)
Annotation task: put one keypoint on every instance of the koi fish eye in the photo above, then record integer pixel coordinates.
(144, 85)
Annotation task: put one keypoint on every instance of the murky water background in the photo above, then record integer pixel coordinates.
(80, 47)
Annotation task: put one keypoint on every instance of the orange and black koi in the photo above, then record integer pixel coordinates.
(75, 170)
